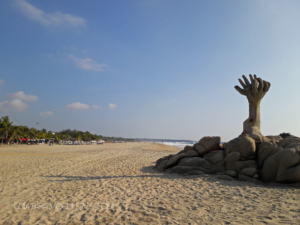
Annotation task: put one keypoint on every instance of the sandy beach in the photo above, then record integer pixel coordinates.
(116, 184)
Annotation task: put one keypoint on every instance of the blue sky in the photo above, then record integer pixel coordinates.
(155, 69)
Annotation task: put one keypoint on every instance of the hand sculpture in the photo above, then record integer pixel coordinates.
(254, 92)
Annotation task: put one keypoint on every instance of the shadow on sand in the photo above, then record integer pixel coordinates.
(152, 172)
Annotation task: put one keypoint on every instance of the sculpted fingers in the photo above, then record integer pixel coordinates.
(246, 80)
(261, 84)
(240, 90)
(266, 86)
(242, 83)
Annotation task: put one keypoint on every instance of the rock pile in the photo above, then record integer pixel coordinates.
(276, 159)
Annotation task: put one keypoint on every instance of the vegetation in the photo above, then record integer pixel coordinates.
(14, 134)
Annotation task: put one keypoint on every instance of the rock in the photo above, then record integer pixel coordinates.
(288, 140)
(186, 148)
(225, 177)
(255, 176)
(249, 172)
(276, 138)
(195, 161)
(265, 150)
(182, 151)
(185, 169)
(242, 177)
(192, 153)
(200, 149)
(195, 172)
(174, 159)
(211, 143)
(224, 145)
(244, 145)
(215, 157)
(232, 162)
(161, 165)
(231, 173)
(232, 157)
(282, 166)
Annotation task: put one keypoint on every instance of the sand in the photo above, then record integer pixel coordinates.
(116, 184)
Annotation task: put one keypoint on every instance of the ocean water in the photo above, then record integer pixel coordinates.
(179, 144)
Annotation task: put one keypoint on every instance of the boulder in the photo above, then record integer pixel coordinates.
(242, 177)
(282, 166)
(161, 165)
(216, 159)
(200, 149)
(224, 145)
(288, 140)
(194, 172)
(265, 150)
(192, 153)
(255, 176)
(186, 148)
(195, 161)
(249, 172)
(244, 145)
(225, 177)
(276, 138)
(185, 169)
(232, 162)
(232, 157)
(211, 143)
(174, 159)
(231, 173)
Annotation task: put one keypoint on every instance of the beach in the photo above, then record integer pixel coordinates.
(117, 184)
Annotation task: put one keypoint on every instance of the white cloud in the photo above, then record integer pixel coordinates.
(1, 81)
(20, 95)
(78, 105)
(87, 64)
(14, 105)
(48, 19)
(97, 107)
(47, 113)
(112, 106)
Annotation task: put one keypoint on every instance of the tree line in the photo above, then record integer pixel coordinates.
(10, 133)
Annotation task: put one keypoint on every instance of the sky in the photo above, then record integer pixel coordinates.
(149, 69)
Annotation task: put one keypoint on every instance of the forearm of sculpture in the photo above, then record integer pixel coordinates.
(254, 114)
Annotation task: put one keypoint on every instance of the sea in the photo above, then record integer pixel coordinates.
(177, 143)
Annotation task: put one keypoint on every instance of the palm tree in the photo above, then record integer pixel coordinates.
(17, 133)
(5, 127)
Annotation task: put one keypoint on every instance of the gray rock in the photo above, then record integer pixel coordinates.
(276, 138)
(231, 173)
(194, 172)
(265, 150)
(242, 177)
(288, 140)
(174, 159)
(282, 166)
(186, 148)
(249, 172)
(225, 177)
(237, 166)
(244, 145)
(192, 153)
(200, 149)
(232, 157)
(161, 165)
(185, 169)
(195, 161)
(256, 176)
(211, 143)
(215, 157)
